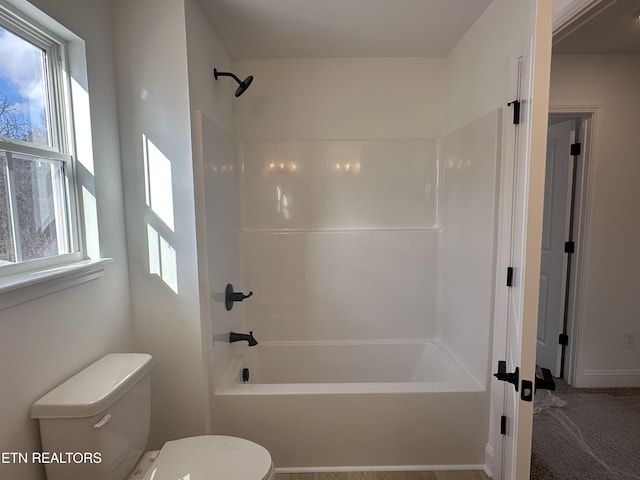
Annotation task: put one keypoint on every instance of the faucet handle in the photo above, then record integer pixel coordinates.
(230, 296)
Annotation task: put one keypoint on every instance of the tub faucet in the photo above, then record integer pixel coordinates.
(238, 337)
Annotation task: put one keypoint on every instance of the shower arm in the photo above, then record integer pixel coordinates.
(217, 74)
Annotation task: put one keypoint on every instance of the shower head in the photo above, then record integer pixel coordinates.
(242, 84)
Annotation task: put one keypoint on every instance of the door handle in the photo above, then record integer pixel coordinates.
(504, 376)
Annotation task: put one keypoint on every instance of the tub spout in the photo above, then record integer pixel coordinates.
(238, 337)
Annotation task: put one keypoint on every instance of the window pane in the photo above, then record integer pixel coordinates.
(7, 254)
(23, 90)
(41, 207)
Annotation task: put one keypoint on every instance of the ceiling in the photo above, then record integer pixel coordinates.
(341, 28)
(609, 29)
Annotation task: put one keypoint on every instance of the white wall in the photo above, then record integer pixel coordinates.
(609, 286)
(339, 189)
(478, 66)
(153, 100)
(341, 99)
(45, 341)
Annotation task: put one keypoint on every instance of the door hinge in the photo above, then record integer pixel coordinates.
(569, 247)
(563, 339)
(576, 149)
(527, 391)
(516, 111)
(503, 425)
(509, 276)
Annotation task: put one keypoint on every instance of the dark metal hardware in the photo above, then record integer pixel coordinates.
(509, 276)
(502, 375)
(527, 391)
(245, 375)
(239, 337)
(230, 296)
(569, 247)
(503, 425)
(516, 111)
(576, 149)
(563, 339)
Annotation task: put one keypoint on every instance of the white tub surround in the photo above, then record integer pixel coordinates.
(355, 405)
(467, 241)
(368, 241)
(339, 238)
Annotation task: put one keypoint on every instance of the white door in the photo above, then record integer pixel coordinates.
(521, 245)
(520, 233)
(553, 258)
(516, 261)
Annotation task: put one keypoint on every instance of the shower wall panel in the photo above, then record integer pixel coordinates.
(349, 285)
(466, 245)
(329, 185)
(339, 238)
(218, 152)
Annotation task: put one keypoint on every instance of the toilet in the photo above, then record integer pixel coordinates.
(96, 425)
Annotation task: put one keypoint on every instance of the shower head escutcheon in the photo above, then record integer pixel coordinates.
(242, 84)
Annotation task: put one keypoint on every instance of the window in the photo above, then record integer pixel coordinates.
(38, 221)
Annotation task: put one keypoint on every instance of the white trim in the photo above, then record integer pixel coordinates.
(380, 468)
(489, 459)
(563, 15)
(610, 379)
(17, 289)
(582, 210)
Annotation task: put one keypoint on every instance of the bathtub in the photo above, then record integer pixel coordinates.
(331, 406)
(346, 367)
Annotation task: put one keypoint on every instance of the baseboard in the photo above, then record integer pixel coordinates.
(380, 468)
(608, 379)
(489, 458)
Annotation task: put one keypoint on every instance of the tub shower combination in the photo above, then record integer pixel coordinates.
(372, 314)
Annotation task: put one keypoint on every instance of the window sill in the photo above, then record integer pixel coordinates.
(17, 289)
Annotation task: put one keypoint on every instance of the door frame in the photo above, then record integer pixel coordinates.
(587, 116)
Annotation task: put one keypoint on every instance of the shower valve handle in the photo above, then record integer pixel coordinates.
(230, 296)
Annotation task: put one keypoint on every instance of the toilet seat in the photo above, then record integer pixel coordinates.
(211, 457)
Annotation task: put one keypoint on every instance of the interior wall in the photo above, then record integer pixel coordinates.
(155, 130)
(470, 158)
(478, 66)
(341, 99)
(610, 301)
(339, 182)
(45, 341)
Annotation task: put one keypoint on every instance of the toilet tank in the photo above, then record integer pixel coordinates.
(96, 424)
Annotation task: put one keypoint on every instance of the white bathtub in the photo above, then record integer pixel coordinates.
(346, 367)
(355, 405)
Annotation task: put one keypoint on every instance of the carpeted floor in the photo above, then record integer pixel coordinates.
(596, 435)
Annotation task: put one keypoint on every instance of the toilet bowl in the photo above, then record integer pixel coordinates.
(96, 425)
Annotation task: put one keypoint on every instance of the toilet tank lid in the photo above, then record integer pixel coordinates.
(92, 390)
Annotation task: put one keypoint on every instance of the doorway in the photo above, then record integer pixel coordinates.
(564, 213)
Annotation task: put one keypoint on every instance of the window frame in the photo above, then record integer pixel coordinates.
(61, 134)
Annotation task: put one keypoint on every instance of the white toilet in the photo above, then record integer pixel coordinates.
(95, 427)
